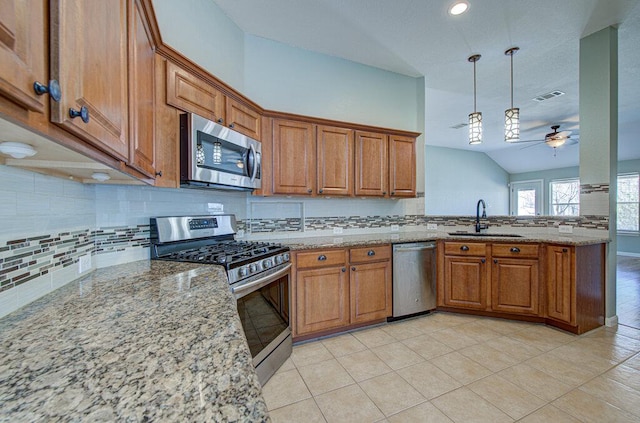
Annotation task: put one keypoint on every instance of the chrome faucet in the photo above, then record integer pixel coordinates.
(479, 227)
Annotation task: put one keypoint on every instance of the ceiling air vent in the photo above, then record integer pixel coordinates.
(548, 95)
(458, 126)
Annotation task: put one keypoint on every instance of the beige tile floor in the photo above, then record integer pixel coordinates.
(455, 368)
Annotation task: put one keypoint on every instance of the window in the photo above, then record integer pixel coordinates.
(526, 198)
(628, 203)
(564, 196)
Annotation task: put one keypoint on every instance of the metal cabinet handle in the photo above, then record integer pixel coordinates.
(564, 250)
(344, 269)
(393, 193)
(464, 248)
(309, 190)
(321, 191)
(384, 192)
(322, 257)
(159, 174)
(353, 268)
(483, 260)
(53, 89)
(515, 250)
(495, 261)
(220, 120)
(371, 253)
(83, 114)
(231, 125)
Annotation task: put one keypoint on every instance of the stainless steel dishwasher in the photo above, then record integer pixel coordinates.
(414, 278)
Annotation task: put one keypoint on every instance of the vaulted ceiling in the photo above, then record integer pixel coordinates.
(419, 38)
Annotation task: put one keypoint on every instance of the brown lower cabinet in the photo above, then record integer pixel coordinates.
(336, 289)
(506, 280)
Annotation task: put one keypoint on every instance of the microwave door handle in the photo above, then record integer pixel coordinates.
(254, 170)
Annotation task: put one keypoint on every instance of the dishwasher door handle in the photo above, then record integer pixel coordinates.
(421, 248)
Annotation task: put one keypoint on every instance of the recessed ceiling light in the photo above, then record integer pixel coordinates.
(458, 8)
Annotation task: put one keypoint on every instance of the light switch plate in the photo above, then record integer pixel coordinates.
(565, 229)
(395, 228)
(84, 263)
(432, 226)
(337, 231)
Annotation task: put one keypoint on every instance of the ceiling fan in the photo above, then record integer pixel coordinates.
(553, 139)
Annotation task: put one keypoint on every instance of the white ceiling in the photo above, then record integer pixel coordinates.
(419, 38)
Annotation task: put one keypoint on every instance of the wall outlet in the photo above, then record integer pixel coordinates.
(395, 228)
(215, 207)
(432, 226)
(337, 231)
(565, 229)
(84, 263)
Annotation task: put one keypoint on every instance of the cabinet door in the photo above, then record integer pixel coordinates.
(89, 59)
(23, 51)
(371, 163)
(370, 292)
(322, 299)
(560, 292)
(141, 95)
(167, 135)
(335, 160)
(187, 92)
(514, 286)
(294, 169)
(243, 119)
(465, 282)
(402, 166)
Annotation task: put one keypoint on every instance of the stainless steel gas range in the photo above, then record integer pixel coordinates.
(258, 275)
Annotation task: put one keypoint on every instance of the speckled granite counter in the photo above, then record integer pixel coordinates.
(342, 241)
(144, 341)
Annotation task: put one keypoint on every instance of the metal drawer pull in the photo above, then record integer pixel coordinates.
(495, 261)
(322, 257)
(371, 253)
(564, 250)
(464, 248)
(483, 260)
(344, 269)
(515, 250)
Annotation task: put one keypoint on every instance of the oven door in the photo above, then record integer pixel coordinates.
(263, 306)
(219, 155)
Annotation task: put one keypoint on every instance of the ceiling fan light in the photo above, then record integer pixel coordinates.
(17, 150)
(512, 124)
(555, 142)
(475, 128)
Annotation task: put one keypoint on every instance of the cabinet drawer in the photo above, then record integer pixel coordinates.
(515, 250)
(465, 248)
(320, 258)
(370, 254)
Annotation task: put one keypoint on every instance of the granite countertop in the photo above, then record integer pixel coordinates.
(345, 241)
(143, 341)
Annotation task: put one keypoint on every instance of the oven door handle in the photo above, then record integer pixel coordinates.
(254, 170)
(248, 288)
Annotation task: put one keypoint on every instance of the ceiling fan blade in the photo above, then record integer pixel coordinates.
(524, 141)
(531, 145)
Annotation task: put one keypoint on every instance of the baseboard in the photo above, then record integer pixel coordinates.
(625, 254)
(611, 321)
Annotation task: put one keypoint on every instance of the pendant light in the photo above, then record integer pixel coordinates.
(475, 118)
(512, 115)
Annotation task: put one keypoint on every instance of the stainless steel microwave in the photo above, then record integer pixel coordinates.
(214, 156)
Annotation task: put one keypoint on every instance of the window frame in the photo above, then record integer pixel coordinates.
(551, 204)
(626, 231)
(538, 185)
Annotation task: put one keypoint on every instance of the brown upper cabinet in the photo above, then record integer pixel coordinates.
(294, 165)
(190, 93)
(385, 165)
(23, 56)
(89, 60)
(335, 160)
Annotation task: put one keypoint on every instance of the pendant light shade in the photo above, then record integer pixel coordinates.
(512, 115)
(475, 118)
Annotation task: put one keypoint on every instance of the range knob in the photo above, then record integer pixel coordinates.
(253, 268)
(242, 271)
(267, 263)
(279, 259)
(285, 256)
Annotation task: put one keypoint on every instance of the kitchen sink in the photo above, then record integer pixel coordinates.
(484, 234)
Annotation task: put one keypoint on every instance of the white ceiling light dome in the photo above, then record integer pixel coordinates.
(17, 150)
(458, 8)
